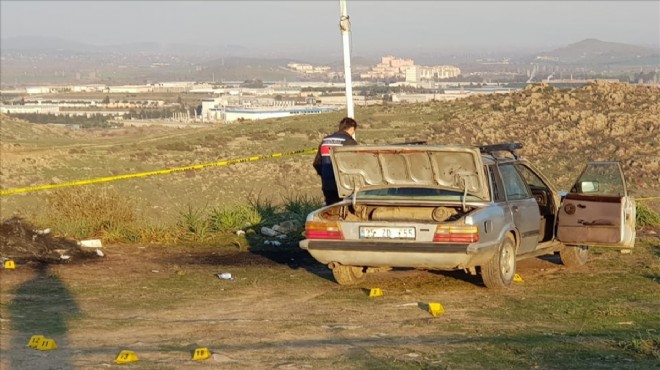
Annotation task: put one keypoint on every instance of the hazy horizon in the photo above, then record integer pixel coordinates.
(282, 27)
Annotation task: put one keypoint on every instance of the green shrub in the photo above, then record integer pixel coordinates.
(232, 218)
(646, 216)
(647, 344)
(85, 212)
(268, 211)
(299, 206)
(194, 222)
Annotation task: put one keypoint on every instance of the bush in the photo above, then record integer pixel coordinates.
(91, 212)
(299, 206)
(232, 218)
(646, 216)
(194, 222)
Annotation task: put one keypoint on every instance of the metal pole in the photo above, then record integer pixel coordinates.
(345, 27)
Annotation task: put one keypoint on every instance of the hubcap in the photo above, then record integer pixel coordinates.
(506, 262)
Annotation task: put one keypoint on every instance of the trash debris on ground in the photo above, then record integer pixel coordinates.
(21, 242)
(225, 276)
(274, 243)
(91, 243)
(288, 226)
(240, 232)
(267, 231)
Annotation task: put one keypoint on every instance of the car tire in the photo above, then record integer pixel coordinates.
(574, 256)
(348, 275)
(499, 271)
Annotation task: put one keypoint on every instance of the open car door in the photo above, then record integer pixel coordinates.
(598, 210)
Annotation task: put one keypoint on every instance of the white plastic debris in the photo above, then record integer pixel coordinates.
(268, 231)
(65, 257)
(274, 243)
(282, 236)
(42, 232)
(91, 243)
(100, 253)
(240, 232)
(225, 276)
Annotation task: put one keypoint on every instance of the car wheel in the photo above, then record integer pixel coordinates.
(574, 256)
(348, 275)
(499, 271)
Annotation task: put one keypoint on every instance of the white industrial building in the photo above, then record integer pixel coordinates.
(28, 109)
(235, 114)
(37, 90)
(129, 89)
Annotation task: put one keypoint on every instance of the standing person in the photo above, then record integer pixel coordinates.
(345, 135)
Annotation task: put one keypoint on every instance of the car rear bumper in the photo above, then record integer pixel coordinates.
(393, 254)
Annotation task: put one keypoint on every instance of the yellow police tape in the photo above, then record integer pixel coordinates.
(153, 173)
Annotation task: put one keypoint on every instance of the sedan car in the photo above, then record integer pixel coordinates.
(477, 209)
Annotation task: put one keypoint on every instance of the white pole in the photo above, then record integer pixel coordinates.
(345, 27)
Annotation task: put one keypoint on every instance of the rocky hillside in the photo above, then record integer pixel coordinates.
(561, 130)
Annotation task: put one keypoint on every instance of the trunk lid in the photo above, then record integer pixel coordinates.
(369, 167)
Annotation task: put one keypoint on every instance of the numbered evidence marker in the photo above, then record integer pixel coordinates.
(201, 353)
(375, 292)
(125, 357)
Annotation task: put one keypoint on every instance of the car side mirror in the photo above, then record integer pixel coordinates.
(588, 186)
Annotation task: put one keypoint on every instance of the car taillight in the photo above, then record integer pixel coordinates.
(323, 230)
(456, 234)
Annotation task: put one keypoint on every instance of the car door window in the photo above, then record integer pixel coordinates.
(498, 191)
(601, 178)
(514, 186)
(530, 177)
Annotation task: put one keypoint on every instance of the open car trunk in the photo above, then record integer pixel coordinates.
(394, 213)
(360, 168)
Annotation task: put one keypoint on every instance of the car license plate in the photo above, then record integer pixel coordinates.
(372, 232)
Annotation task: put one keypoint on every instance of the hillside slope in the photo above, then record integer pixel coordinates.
(561, 130)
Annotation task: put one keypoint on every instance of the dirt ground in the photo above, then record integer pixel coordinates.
(283, 310)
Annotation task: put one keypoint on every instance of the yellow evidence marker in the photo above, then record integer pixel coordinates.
(35, 340)
(47, 344)
(201, 353)
(9, 265)
(376, 292)
(436, 309)
(517, 278)
(125, 357)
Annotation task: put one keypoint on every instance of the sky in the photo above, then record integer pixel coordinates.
(313, 24)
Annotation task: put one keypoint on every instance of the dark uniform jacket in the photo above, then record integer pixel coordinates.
(322, 162)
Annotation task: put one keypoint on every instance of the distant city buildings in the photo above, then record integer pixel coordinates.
(393, 68)
(308, 68)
